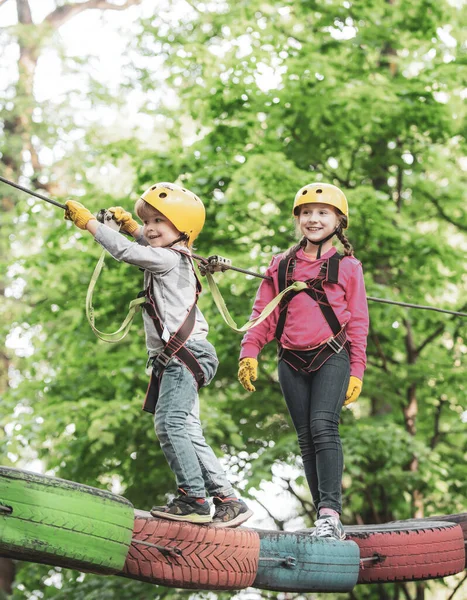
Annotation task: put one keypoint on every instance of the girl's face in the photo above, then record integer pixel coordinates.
(316, 221)
(158, 230)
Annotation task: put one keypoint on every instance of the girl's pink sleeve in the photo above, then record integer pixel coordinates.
(357, 327)
(255, 339)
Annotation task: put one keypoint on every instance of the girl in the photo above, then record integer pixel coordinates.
(321, 334)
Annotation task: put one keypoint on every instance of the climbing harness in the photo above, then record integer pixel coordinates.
(310, 359)
(175, 345)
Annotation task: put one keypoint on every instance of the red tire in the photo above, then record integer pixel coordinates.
(210, 558)
(459, 518)
(408, 550)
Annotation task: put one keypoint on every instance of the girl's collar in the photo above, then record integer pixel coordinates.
(303, 255)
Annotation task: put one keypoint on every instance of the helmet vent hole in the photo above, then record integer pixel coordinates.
(153, 187)
(162, 195)
(183, 190)
(304, 192)
(320, 191)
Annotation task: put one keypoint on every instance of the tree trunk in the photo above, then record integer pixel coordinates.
(18, 129)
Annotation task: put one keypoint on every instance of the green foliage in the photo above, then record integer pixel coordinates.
(365, 95)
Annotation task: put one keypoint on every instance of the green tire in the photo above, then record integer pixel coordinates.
(61, 523)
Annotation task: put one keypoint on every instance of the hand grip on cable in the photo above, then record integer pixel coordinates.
(125, 219)
(353, 391)
(78, 213)
(248, 372)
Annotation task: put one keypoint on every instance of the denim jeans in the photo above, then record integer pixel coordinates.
(315, 401)
(178, 427)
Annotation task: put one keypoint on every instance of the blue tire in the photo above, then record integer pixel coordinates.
(297, 562)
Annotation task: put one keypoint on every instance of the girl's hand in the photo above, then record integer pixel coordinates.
(248, 372)
(125, 219)
(354, 390)
(78, 213)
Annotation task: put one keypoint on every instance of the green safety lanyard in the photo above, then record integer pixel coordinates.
(135, 306)
(267, 310)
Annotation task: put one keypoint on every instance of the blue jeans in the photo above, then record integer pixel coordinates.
(178, 427)
(315, 402)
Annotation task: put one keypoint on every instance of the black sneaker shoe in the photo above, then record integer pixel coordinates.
(230, 512)
(184, 508)
(330, 528)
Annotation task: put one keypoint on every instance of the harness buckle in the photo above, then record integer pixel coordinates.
(162, 359)
(218, 264)
(335, 345)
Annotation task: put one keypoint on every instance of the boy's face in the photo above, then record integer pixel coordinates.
(158, 230)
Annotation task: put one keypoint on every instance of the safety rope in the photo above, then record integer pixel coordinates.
(225, 265)
(122, 331)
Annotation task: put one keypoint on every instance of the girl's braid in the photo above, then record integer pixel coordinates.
(348, 249)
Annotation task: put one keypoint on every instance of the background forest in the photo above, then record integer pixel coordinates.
(244, 102)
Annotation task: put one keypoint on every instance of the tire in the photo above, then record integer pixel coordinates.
(459, 518)
(409, 550)
(209, 559)
(320, 565)
(61, 523)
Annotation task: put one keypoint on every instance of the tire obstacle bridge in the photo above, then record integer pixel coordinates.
(65, 524)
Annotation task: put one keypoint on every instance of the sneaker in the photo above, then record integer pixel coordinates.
(184, 508)
(230, 512)
(329, 528)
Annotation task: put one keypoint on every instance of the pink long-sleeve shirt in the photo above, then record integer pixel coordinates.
(305, 326)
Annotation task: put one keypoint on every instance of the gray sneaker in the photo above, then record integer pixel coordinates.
(230, 512)
(329, 528)
(184, 508)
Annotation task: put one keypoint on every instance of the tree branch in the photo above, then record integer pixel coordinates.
(436, 430)
(278, 522)
(380, 351)
(194, 7)
(441, 212)
(307, 507)
(438, 331)
(457, 588)
(62, 14)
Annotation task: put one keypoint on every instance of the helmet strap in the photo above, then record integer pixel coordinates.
(321, 242)
(183, 237)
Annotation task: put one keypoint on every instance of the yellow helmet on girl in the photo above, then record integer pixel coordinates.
(322, 193)
(182, 207)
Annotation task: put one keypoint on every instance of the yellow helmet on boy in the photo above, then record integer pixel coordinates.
(322, 193)
(182, 207)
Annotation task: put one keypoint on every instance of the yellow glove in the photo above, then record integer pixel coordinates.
(78, 213)
(248, 372)
(354, 390)
(125, 219)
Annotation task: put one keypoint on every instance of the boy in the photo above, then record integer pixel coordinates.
(182, 359)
